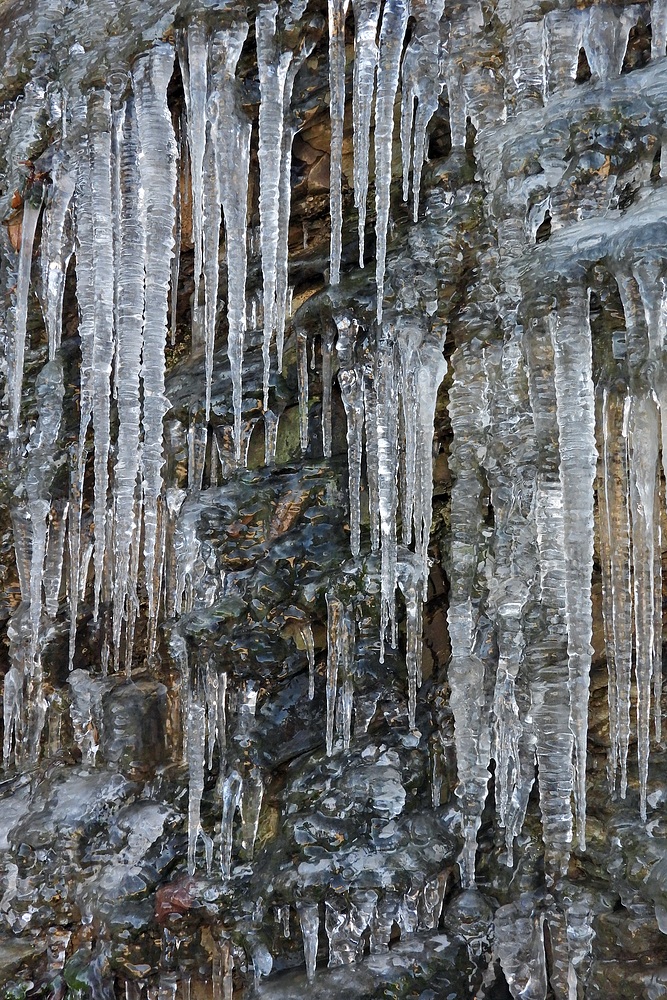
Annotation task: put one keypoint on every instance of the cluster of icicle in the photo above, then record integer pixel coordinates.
(533, 435)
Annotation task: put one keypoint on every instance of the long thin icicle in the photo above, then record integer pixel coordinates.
(366, 17)
(337, 11)
(31, 212)
(392, 34)
(234, 131)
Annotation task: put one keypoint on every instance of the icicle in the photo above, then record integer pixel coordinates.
(56, 248)
(251, 804)
(392, 33)
(102, 360)
(234, 131)
(271, 421)
(130, 280)
(302, 373)
(196, 743)
(371, 431)
(12, 714)
(211, 240)
(387, 432)
(382, 921)
(309, 919)
(193, 61)
(350, 380)
(468, 408)
(277, 72)
(421, 83)
(158, 174)
(575, 411)
(55, 553)
(273, 70)
(232, 789)
(337, 12)
(327, 350)
(615, 530)
(410, 581)
(307, 634)
(366, 16)
(334, 615)
(31, 214)
(547, 648)
(643, 447)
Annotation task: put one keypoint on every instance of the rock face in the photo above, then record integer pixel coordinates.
(332, 496)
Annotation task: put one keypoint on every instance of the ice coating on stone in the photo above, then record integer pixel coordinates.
(392, 33)
(337, 10)
(366, 18)
(158, 173)
(575, 410)
(421, 84)
(129, 321)
(309, 920)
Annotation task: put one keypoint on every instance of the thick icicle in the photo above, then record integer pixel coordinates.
(392, 34)
(337, 11)
(340, 654)
(309, 919)
(234, 132)
(302, 375)
(366, 17)
(412, 586)
(151, 75)
(422, 83)
(103, 345)
(130, 276)
(575, 411)
(211, 247)
(232, 790)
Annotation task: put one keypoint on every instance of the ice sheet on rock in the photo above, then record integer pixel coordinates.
(392, 34)
(151, 75)
(421, 84)
(366, 52)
